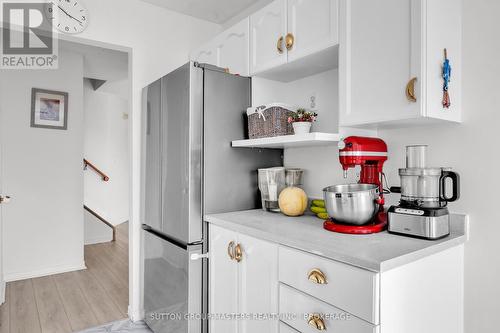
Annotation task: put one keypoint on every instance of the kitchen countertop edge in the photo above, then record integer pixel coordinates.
(422, 248)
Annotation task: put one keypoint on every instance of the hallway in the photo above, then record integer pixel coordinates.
(72, 301)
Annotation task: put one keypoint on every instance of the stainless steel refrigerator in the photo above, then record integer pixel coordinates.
(191, 170)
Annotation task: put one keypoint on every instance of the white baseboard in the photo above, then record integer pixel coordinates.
(98, 240)
(9, 277)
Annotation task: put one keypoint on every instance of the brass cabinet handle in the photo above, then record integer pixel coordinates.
(230, 250)
(279, 45)
(410, 90)
(238, 253)
(316, 322)
(317, 276)
(289, 41)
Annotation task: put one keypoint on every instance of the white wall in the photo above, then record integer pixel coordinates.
(471, 150)
(320, 164)
(160, 41)
(106, 145)
(42, 171)
(95, 231)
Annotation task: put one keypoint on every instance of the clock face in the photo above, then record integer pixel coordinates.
(68, 16)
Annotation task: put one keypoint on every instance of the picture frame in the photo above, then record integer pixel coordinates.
(49, 109)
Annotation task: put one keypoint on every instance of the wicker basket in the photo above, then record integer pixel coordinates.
(269, 120)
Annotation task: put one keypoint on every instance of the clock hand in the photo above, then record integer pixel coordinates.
(65, 12)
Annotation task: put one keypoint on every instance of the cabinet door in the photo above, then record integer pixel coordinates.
(258, 290)
(267, 26)
(313, 24)
(380, 53)
(223, 280)
(207, 54)
(233, 48)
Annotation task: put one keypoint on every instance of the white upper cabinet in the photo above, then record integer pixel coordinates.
(289, 30)
(233, 48)
(312, 25)
(391, 58)
(206, 54)
(268, 28)
(229, 50)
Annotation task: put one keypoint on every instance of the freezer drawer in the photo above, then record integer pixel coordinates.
(172, 284)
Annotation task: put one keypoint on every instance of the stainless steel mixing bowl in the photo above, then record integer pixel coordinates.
(352, 203)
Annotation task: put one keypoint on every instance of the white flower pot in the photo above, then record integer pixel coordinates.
(301, 127)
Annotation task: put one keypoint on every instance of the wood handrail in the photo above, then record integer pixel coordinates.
(100, 218)
(86, 164)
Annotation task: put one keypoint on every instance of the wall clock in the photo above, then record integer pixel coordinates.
(68, 16)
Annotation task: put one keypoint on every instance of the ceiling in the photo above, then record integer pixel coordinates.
(216, 11)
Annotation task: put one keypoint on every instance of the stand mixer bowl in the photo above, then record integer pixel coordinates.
(355, 204)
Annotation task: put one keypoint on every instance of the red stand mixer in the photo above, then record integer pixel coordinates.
(370, 154)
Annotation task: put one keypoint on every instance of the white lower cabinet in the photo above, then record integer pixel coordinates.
(311, 315)
(252, 278)
(284, 328)
(243, 282)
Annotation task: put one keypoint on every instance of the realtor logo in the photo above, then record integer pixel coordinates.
(28, 40)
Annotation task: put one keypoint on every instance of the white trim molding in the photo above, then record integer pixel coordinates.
(9, 277)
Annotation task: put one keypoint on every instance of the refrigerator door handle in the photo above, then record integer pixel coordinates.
(172, 240)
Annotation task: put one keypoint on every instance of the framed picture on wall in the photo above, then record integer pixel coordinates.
(49, 109)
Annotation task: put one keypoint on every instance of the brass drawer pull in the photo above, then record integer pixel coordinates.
(238, 253)
(230, 250)
(289, 41)
(279, 45)
(317, 276)
(316, 322)
(410, 90)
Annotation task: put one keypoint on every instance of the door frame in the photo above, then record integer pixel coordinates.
(134, 143)
(135, 124)
(2, 280)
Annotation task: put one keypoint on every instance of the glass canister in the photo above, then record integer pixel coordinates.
(271, 183)
(293, 177)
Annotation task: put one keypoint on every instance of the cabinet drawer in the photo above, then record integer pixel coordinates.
(284, 328)
(302, 306)
(349, 288)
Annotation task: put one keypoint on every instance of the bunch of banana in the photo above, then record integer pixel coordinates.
(318, 208)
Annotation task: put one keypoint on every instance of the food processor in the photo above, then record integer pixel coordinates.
(422, 210)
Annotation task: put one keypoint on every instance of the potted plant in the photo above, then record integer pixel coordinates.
(302, 120)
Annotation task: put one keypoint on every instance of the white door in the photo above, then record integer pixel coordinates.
(313, 25)
(268, 28)
(258, 290)
(223, 279)
(233, 48)
(206, 54)
(379, 54)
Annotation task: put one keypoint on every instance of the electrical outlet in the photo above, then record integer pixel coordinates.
(313, 100)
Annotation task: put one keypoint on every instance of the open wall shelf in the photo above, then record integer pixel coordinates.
(289, 141)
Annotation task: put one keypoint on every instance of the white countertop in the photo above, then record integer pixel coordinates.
(377, 252)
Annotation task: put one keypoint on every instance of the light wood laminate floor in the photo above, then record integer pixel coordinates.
(72, 301)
